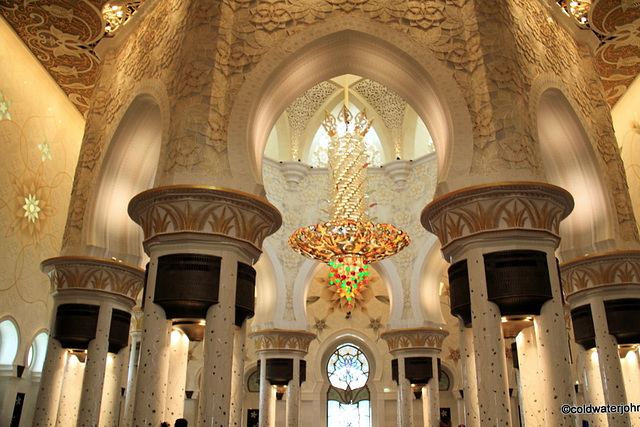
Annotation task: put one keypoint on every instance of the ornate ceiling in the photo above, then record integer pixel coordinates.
(62, 34)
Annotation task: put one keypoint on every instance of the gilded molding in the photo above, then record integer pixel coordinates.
(280, 339)
(495, 207)
(418, 338)
(230, 213)
(592, 271)
(94, 273)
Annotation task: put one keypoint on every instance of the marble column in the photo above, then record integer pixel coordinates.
(494, 405)
(281, 344)
(404, 414)
(153, 369)
(205, 221)
(267, 397)
(67, 413)
(480, 225)
(631, 372)
(531, 401)
(50, 385)
(177, 377)
(423, 343)
(469, 382)
(293, 397)
(610, 367)
(237, 385)
(215, 387)
(592, 380)
(94, 371)
(111, 395)
(134, 356)
(553, 353)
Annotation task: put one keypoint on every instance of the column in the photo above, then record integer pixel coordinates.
(215, 388)
(267, 396)
(237, 385)
(500, 238)
(610, 367)
(94, 371)
(531, 401)
(50, 384)
(215, 230)
(134, 355)
(110, 409)
(286, 349)
(405, 397)
(67, 413)
(469, 382)
(178, 359)
(631, 373)
(417, 364)
(553, 353)
(153, 368)
(293, 396)
(593, 393)
(489, 348)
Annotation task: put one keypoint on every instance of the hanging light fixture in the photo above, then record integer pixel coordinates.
(349, 242)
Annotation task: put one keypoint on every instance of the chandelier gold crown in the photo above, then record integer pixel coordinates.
(349, 241)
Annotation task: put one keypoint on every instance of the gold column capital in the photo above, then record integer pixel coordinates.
(598, 270)
(415, 339)
(282, 340)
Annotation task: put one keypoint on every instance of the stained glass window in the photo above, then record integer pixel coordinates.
(348, 399)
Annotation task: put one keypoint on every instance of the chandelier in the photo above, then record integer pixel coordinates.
(349, 242)
(578, 9)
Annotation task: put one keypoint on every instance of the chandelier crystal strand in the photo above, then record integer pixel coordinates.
(348, 242)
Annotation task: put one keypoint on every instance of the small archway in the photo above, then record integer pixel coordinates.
(9, 342)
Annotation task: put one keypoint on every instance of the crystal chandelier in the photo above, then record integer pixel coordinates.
(349, 242)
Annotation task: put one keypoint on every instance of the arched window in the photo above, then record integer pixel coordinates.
(37, 352)
(8, 342)
(348, 398)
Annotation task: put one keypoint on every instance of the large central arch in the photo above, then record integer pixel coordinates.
(350, 45)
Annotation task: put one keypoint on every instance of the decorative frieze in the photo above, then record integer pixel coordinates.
(280, 339)
(94, 273)
(418, 338)
(497, 207)
(202, 209)
(612, 268)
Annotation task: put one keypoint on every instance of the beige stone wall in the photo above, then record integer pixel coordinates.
(40, 135)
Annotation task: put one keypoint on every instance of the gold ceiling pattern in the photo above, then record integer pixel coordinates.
(62, 34)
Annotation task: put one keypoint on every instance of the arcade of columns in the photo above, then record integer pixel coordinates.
(500, 238)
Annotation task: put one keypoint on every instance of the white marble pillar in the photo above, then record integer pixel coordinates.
(237, 385)
(469, 383)
(593, 393)
(293, 397)
(405, 397)
(553, 352)
(110, 408)
(134, 355)
(631, 373)
(610, 367)
(266, 406)
(151, 383)
(68, 410)
(531, 401)
(215, 389)
(491, 362)
(50, 385)
(431, 398)
(177, 379)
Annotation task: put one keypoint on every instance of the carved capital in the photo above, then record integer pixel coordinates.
(592, 271)
(497, 207)
(282, 340)
(94, 273)
(415, 339)
(207, 210)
